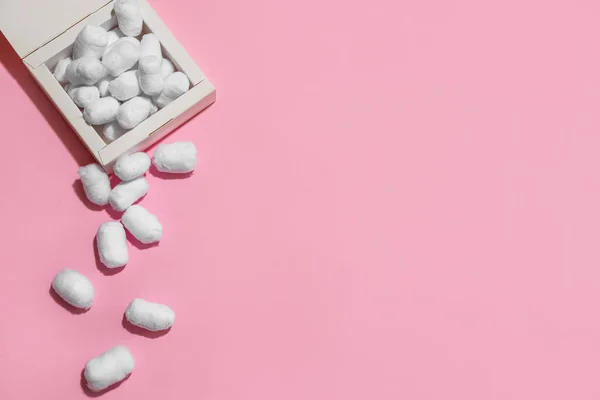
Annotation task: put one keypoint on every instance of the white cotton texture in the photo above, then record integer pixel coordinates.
(178, 157)
(90, 42)
(131, 40)
(74, 288)
(133, 112)
(151, 80)
(83, 95)
(108, 368)
(125, 86)
(102, 86)
(150, 316)
(121, 56)
(112, 244)
(126, 193)
(113, 36)
(151, 47)
(167, 68)
(129, 17)
(96, 184)
(101, 111)
(143, 225)
(112, 131)
(85, 71)
(60, 70)
(175, 85)
(132, 166)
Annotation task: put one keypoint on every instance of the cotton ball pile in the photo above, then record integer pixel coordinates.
(122, 65)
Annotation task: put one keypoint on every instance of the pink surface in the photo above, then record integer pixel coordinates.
(395, 200)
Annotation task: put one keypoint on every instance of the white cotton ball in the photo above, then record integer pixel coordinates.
(83, 95)
(151, 80)
(125, 86)
(85, 71)
(61, 70)
(153, 107)
(101, 111)
(96, 184)
(121, 56)
(133, 112)
(108, 368)
(131, 166)
(129, 17)
(112, 244)
(151, 316)
(102, 86)
(90, 42)
(113, 36)
(112, 131)
(175, 85)
(128, 39)
(128, 192)
(167, 68)
(74, 288)
(143, 225)
(151, 46)
(178, 157)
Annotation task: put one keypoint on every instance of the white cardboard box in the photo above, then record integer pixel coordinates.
(42, 32)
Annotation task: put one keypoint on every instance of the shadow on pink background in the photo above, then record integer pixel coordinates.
(394, 200)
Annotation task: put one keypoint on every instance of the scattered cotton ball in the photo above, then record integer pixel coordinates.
(167, 68)
(121, 56)
(74, 288)
(85, 71)
(175, 85)
(151, 47)
(129, 17)
(125, 86)
(112, 131)
(90, 42)
(131, 166)
(112, 244)
(133, 112)
(178, 157)
(126, 193)
(96, 184)
(151, 316)
(108, 368)
(83, 95)
(151, 80)
(143, 225)
(101, 111)
(61, 70)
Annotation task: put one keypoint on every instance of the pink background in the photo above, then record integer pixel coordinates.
(395, 200)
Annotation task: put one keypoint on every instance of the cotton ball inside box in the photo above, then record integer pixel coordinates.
(133, 112)
(91, 41)
(106, 70)
(175, 85)
(83, 95)
(125, 86)
(121, 56)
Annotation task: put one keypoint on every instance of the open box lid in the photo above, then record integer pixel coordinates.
(30, 24)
